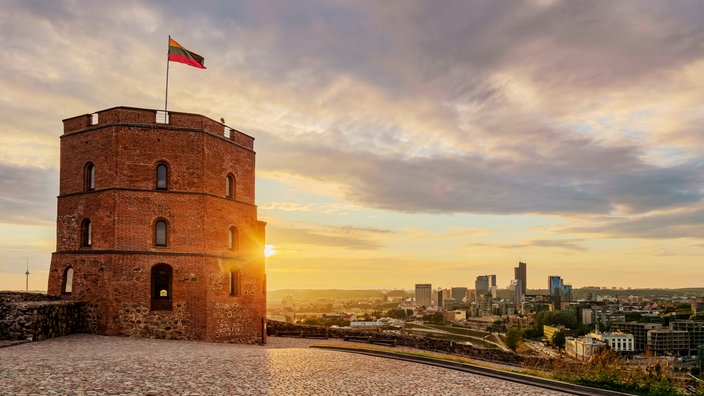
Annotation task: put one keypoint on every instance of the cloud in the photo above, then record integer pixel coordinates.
(341, 237)
(25, 192)
(308, 207)
(466, 183)
(568, 244)
(679, 223)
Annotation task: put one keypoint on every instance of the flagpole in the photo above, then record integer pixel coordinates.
(166, 97)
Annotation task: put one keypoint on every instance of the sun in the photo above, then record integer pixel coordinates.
(269, 250)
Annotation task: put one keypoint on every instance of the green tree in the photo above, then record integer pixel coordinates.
(558, 339)
(435, 318)
(397, 313)
(513, 336)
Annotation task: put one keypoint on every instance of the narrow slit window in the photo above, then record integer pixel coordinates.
(230, 186)
(162, 177)
(89, 177)
(234, 283)
(232, 238)
(160, 233)
(68, 281)
(86, 233)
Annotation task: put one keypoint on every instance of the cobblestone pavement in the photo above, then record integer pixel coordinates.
(97, 365)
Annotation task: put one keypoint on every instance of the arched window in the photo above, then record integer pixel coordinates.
(230, 186)
(161, 287)
(68, 281)
(233, 238)
(234, 283)
(89, 177)
(162, 176)
(86, 233)
(160, 233)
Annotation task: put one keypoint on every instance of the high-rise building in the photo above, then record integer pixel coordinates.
(481, 286)
(566, 293)
(516, 292)
(459, 294)
(520, 274)
(554, 285)
(485, 284)
(440, 298)
(424, 293)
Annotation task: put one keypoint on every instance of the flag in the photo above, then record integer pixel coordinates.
(179, 54)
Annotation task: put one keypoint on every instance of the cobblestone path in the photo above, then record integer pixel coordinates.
(97, 365)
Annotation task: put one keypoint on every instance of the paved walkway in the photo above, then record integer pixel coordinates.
(96, 365)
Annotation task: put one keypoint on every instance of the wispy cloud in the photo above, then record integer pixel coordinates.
(346, 237)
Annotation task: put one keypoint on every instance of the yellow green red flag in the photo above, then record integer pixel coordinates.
(179, 54)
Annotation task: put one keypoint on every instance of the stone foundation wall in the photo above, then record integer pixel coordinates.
(38, 316)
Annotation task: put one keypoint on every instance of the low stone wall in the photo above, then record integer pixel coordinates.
(38, 316)
(15, 296)
(411, 341)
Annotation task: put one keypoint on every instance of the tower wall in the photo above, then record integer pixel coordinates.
(217, 288)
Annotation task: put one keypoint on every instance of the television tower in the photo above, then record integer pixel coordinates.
(26, 283)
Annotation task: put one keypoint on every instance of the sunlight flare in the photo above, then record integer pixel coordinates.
(269, 250)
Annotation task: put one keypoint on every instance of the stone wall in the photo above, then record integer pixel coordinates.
(411, 341)
(38, 316)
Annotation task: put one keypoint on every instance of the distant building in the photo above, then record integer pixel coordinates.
(481, 286)
(639, 331)
(517, 294)
(471, 296)
(424, 292)
(366, 325)
(695, 329)
(520, 274)
(558, 291)
(583, 348)
(459, 293)
(534, 304)
(485, 284)
(667, 341)
(618, 342)
(550, 331)
(440, 298)
(554, 285)
(566, 293)
(698, 306)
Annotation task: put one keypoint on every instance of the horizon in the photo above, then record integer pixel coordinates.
(396, 143)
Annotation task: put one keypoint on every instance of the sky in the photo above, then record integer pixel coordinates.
(398, 142)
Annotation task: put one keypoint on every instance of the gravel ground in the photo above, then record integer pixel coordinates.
(97, 365)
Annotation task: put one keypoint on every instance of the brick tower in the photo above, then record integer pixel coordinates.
(157, 229)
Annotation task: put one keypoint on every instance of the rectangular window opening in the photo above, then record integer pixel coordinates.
(234, 284)
(227, 132)
(94, 119)
(162, 117)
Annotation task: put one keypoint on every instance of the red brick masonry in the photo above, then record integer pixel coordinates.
(217, 292)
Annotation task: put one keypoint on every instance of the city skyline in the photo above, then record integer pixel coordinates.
(397, 143)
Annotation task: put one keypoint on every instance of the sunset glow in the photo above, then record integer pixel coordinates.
(269, 250)
(396, 143)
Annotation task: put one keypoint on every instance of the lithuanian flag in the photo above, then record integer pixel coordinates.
(179, 54)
